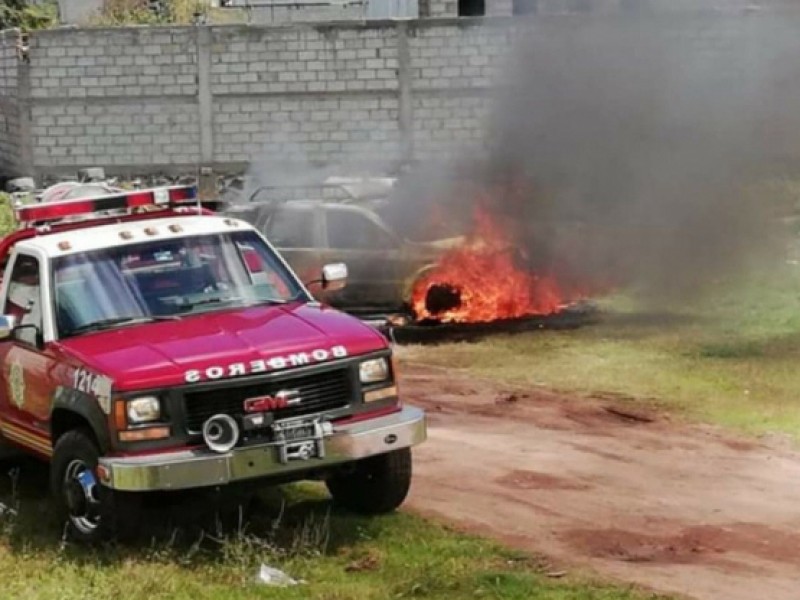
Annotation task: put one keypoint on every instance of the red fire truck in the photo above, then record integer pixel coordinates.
(147, 344)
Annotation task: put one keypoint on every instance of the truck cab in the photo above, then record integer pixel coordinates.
(147, 345)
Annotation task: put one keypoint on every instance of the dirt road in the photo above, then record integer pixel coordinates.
(682, 509)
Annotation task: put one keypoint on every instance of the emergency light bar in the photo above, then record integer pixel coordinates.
(55, 211)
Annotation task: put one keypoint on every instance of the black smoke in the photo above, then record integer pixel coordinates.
(620, 149)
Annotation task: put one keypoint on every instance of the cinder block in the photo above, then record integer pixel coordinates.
(269, 61)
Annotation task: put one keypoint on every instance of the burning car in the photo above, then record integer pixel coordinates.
(487, 278)
(383, 267)
(147, 345)
(488, 270)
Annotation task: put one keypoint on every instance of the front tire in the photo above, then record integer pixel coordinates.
(378, 484)
(92, 512)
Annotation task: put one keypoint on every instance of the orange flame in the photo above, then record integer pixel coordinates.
(489, 279)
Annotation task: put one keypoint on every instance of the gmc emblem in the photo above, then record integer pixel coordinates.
(282, 399)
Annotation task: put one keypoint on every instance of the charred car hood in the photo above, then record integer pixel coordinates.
(222, 345)
(436, 247)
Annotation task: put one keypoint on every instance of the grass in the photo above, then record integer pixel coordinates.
(729, 359)
(7, 222)
(340, 556)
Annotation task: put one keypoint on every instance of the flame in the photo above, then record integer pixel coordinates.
(486, 279)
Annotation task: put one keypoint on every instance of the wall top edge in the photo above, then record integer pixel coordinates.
(12, 33)
(461, 22)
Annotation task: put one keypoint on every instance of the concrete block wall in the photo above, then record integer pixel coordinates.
(313, 93)
(10, 150)
(114, 97)
(313, 130)
(174, 98)
(453, 69)
(448, 125)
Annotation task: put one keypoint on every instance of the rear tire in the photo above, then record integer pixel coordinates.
(378, 484)
(93, 513)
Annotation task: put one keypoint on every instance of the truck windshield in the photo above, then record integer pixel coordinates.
(165, 279)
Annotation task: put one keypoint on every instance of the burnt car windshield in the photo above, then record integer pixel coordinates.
(166, 279)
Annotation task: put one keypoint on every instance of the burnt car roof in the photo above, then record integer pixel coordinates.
(243, 207)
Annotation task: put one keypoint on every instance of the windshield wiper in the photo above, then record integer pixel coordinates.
(275, 301)
(217, 300)
(270, 301)
(240, 302)
(111, 322)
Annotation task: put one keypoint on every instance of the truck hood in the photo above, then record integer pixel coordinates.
(222, 345)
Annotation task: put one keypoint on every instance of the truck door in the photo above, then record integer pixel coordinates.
(26, 363)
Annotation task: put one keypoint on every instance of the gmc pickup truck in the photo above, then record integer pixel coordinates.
(148, 345)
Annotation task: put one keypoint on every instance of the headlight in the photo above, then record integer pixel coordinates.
(144, 410)
(373, 371)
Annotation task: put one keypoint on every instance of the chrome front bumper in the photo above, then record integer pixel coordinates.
(199, 468)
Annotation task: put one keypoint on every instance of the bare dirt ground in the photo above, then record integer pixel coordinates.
(681, 509)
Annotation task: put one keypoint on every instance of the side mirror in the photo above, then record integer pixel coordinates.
(334, 277)
(7, 325)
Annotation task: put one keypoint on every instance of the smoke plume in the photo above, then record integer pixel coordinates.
(619, 149)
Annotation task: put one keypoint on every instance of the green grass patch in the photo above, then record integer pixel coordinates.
(731, 358)
(7, 221)
(339, 556)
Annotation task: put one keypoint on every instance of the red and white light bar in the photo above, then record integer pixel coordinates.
(55, 211)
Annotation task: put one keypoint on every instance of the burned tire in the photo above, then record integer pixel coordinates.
(92, 512)
(377, 485)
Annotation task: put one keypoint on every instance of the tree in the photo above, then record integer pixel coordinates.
(10, 13)
(27, 16)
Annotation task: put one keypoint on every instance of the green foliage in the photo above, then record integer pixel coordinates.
(10, 13)
(138, 12)
(119, 13)
(7, 223)
(126, 12)
(28, 17)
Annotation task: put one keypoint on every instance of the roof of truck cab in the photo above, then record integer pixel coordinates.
(111, 235)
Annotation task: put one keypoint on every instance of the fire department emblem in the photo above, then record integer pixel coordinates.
(16, 383)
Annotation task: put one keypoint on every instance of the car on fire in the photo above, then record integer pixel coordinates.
(148, 345)
(382, 266)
